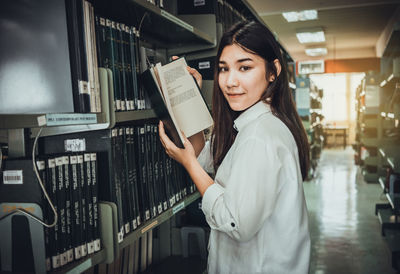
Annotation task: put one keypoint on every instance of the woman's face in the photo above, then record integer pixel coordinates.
(242, 77)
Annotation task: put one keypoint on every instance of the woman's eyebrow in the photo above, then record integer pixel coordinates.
(238, 61)
(244, 60)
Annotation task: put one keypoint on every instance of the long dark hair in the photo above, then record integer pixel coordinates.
(256, 39)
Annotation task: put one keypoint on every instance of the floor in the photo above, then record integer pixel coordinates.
(345, 232)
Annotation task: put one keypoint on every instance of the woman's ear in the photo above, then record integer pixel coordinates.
(278, 67)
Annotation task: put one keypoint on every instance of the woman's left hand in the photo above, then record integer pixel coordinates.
(183, 156)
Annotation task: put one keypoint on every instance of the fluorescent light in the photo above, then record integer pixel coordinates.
(314, 35)
(303, 15)
(316, 51)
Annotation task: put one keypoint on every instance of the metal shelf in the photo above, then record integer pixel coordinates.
(370, 177)
(394, 200)
(390, 81)
(133, 236)
(158, 25)
(382, 182)
(83, 264)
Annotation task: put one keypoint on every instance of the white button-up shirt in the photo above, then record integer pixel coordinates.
(256, 208)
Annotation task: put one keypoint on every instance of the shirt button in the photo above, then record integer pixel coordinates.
(233, 224)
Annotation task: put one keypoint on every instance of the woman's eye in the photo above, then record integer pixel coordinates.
(244, 68)
(222, 69)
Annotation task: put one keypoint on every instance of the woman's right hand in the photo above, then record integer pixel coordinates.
(193, 72)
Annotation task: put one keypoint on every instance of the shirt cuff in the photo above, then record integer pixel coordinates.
(210, 197)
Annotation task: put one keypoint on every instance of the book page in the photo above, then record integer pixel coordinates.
(186, 102)
(164, 94)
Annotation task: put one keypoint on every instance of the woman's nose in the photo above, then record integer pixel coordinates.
(232, 80)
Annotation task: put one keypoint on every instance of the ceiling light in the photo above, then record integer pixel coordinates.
(316, 51)
(313, 35)
(303, 15)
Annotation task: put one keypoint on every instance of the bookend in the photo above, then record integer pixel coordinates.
(23, 236)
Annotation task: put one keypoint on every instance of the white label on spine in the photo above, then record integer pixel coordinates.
(40, 165)
(80, 159)
(84, 250)
(56, 261)
(165, 205)
(134, 224)
(70, 254)
(86, 157)
(147, 214)
(73, 160)
(97, 245)
(93, 156)
(198, 3)
(78, 253)
(63, 258)
(127, 228)
(13, 177)
(75, 145)
(83, 87)
(159, 208)
(204, 65)
(91, 247)
(120, 237)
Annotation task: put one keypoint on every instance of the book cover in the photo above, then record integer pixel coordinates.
(177, 100)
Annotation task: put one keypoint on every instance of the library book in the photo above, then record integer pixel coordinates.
(177, 100)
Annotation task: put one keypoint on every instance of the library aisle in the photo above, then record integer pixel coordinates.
(345, 232)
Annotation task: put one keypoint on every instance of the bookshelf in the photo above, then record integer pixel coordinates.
(135, 235)
(162, 31)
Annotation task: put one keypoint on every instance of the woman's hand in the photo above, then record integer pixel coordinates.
(193, 72)
(183, 156)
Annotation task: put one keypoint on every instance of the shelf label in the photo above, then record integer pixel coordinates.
(150, 226)
(204, 65)
(176, 20)
(56, 119)
(12, 177)
(178, 207)
(198, 3)
(75, 145)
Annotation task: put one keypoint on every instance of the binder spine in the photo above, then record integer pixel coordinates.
(68, 200)
(89, 203)
(96, 226)
(76, 215)
(83, 205)
(54, 232)
(61, 204)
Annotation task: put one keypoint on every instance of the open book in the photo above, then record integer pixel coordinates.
(176, 100)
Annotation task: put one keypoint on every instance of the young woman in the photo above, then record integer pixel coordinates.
(259, 153)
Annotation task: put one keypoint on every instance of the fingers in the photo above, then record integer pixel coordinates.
(196, 75)
(175, 57)
(187, 142)
(166, 142)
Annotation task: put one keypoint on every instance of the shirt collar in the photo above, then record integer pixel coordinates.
(251, 114)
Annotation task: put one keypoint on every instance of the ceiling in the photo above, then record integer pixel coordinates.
(353, 28)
